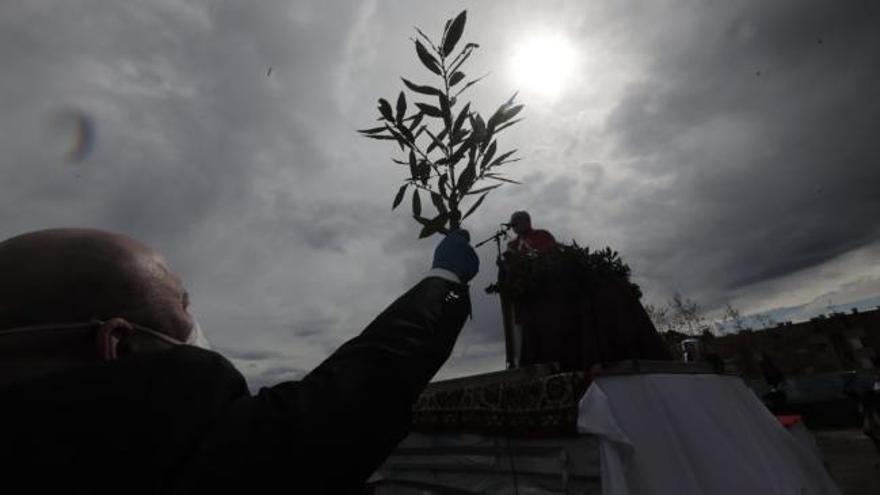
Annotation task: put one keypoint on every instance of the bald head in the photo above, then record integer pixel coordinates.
(70, 275)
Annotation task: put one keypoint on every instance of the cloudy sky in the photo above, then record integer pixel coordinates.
(728, 150)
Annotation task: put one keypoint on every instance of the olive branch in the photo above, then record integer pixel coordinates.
(452, 155)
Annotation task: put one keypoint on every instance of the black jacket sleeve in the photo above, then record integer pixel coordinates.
(328, 432)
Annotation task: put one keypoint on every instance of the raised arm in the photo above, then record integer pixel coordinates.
(331, 430)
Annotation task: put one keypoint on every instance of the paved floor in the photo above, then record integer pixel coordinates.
(851, 458)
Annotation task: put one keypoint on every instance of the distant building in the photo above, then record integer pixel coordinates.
(824, 344)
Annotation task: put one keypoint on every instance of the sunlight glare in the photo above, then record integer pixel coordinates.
(544, 64)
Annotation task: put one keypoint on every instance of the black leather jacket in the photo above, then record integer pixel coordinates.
(183, 421)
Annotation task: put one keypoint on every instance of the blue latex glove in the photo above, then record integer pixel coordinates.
(454, 253)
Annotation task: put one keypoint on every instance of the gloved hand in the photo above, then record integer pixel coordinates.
(454, 253)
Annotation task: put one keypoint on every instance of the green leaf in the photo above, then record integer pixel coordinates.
(427, 231)
(459, 153)
(413, 169)
(510, 113)
(424, 172)
(442, 185)
(426, 38)
(484, 136)
(482, 189)
(497, 117)
(374, 130)
(385, 109)
(502, 179)
(460, 119)
(435, 140)
(416, 203)
(406, 133)
(399, 197)
(466, 179)
(401, 107)
(479, 129)
(401, 141)
(456, 78)
(476, 205)
(425, 90)
(462, 56)
(454, 33)
(427, 59)
(506, 125)
(434, 225)
(438, 202)
(416, 120)
(501, 158)
(446, 111)
(385, 138)
(490, 152)
(430, 110)
(471, 83)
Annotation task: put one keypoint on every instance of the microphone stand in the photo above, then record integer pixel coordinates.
(502, 233)
(506, 306)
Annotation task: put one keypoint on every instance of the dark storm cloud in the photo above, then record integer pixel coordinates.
(707, 176)
(762, 117)
(179, 117)
(314, 323)
(331, 225)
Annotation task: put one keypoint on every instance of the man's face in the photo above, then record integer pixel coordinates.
(520, 224)
(131, 284)
(166, 301)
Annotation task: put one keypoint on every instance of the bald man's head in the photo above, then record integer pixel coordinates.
(70, 275)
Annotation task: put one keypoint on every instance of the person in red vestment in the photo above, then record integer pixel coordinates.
(528, 240)
(538, 319)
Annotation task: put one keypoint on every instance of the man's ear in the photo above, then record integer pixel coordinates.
(109, 335)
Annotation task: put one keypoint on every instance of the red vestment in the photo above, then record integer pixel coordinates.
(533, 240)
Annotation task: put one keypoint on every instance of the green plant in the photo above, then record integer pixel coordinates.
(567, 268)
(452, 154)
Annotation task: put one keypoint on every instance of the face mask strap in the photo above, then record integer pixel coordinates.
(155, 334)
(93, 323)
(197, 336)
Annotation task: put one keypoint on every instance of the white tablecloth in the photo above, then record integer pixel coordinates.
(694, 434)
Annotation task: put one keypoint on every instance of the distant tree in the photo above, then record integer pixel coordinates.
(680, 314)
(688, 316)
(733, 320)
(659, 315)
(451, 155)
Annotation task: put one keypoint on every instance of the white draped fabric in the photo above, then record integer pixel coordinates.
(694, 434)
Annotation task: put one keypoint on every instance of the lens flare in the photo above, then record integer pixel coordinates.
(79, 129)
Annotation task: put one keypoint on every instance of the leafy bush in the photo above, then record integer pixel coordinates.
(565, 269)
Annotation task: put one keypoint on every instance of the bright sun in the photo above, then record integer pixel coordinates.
(544, 64)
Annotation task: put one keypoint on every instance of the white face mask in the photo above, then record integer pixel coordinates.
(197, 336)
